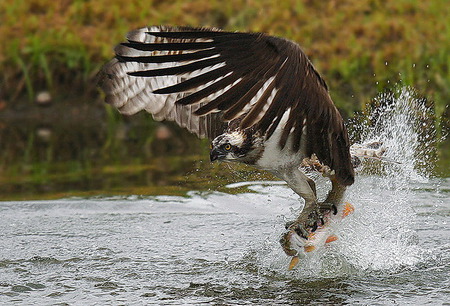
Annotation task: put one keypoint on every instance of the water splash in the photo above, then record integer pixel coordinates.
(380, 235)
(404, 123)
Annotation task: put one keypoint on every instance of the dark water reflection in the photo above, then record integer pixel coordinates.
(65, 150)
(51, 153)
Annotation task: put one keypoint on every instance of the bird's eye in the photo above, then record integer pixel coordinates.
(227, 147)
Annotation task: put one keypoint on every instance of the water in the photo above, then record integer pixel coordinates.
(222, 247)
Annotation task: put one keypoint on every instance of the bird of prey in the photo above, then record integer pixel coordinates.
(258, 98)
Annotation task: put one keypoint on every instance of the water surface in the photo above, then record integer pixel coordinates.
(222, 248)
(194, 246)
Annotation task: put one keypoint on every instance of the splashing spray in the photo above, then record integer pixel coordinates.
(380, 234)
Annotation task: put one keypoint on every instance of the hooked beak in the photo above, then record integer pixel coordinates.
(214, 154)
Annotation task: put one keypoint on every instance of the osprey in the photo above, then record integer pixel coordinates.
(257, 97)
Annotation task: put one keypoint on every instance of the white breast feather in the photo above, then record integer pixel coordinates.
(273, 157)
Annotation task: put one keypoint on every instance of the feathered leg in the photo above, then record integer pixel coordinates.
(309, 217)
(312, 214)
(334, 197)
(337, 191)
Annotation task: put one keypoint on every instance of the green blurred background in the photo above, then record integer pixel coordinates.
(58, 139)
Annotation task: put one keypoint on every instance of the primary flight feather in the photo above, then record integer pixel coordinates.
(257, 97)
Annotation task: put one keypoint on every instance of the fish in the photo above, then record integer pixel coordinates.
(317, 239)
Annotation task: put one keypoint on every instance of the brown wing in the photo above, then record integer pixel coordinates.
(201, 78)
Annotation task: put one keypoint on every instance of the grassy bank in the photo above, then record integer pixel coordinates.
(359, 46)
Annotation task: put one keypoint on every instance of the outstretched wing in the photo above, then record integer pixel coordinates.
(201, 78)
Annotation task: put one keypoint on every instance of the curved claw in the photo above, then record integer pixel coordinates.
(289, 224)
(335, 210)
(315, 226)
(296, 236)
(301, 231)
(287, 242)
(326, 207)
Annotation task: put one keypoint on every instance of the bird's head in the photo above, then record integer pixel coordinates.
(235, 146)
